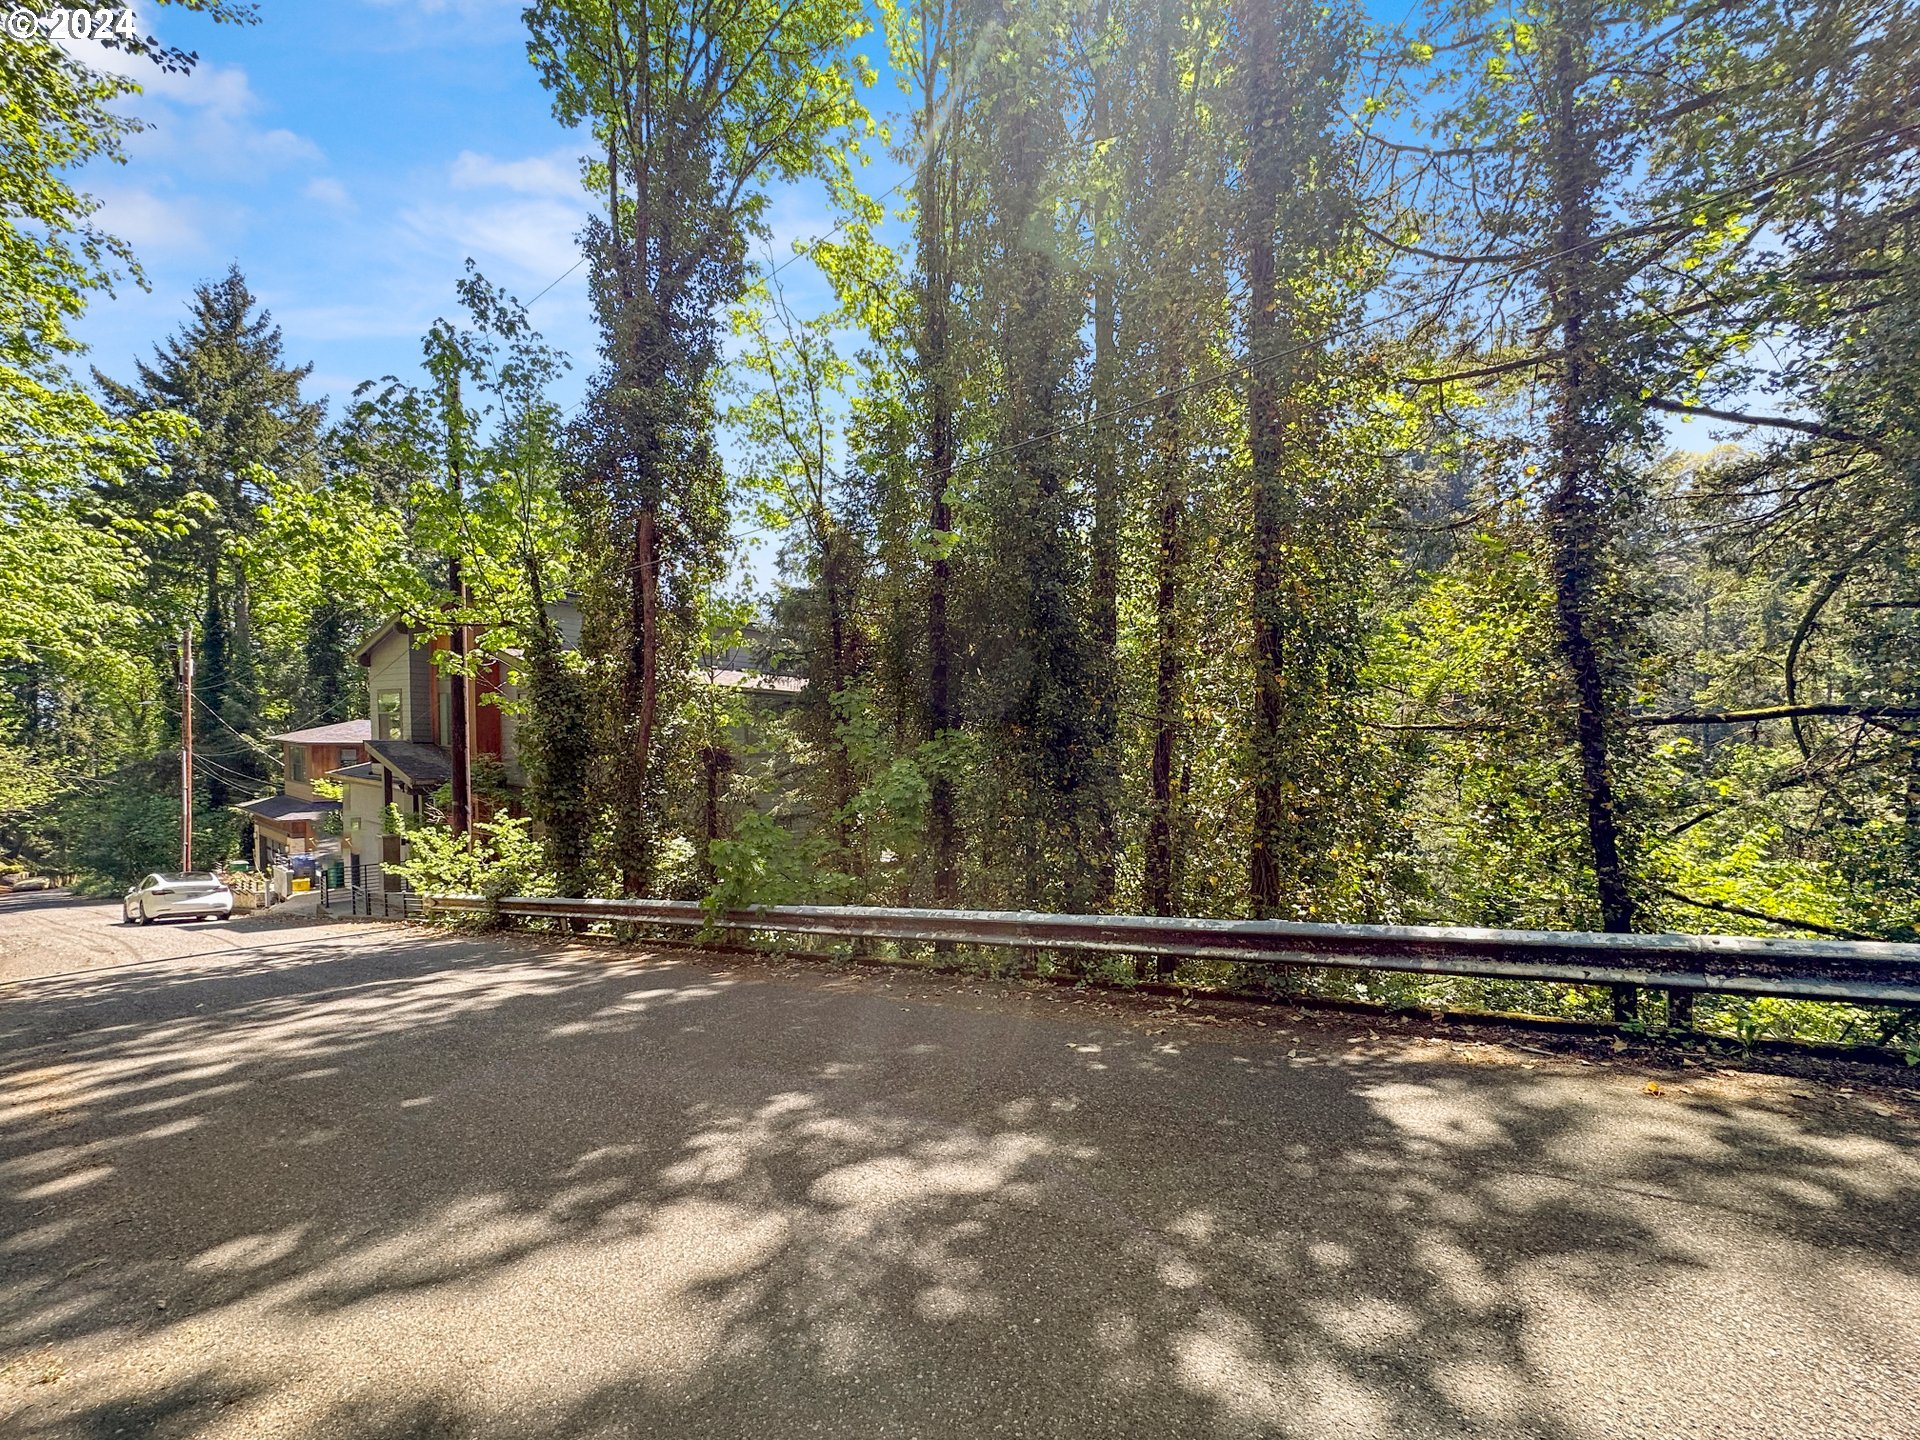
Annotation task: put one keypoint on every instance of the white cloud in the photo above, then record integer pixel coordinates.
(329, 192)
(152, 224)
(536, 237)
(205, 120)
(214, 133)
(554, 174)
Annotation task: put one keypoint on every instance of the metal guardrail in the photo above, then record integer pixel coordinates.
(1859, 971)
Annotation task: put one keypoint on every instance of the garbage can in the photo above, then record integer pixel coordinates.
(336, 874)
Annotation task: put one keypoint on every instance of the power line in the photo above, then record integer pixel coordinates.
(809, 246)
(246, 739)
(555, 281)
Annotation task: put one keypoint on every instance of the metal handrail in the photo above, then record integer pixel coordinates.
(1860, 971)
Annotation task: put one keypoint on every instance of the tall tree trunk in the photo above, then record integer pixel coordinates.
(557, 745)
(1103, 608)
(934, 365)
(1157, 882)
(642, 701)
(1157, 878)
(1579, 441)
(212, 676)
(838, 579)
(459, 811)
(716, 761)
(1265, 184)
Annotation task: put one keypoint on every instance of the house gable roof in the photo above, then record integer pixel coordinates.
(419, 766)
(345, 732)
(365, 653)
(284, 809)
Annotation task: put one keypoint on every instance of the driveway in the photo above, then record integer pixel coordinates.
(351, 1182)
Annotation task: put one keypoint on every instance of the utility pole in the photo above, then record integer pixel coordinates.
(186, 748)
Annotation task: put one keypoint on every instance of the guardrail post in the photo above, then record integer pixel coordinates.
(1626, 1003)
(1680, 1009)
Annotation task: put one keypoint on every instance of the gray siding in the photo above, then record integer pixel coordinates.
(420, 711)
(565, 616)
(397, 665)
(389, 672)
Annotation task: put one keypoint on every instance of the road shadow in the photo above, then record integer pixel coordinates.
(439, 1186)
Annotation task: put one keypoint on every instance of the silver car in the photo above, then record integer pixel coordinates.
(160, 897)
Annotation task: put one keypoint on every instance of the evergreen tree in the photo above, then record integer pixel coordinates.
(224, 371)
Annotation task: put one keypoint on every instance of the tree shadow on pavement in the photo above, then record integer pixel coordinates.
(452, 1187)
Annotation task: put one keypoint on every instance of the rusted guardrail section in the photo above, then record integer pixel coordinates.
(1857, 971)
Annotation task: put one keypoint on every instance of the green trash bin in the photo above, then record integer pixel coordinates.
(336, 874)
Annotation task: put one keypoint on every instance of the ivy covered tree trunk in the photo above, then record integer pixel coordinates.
(1267, 100)
(1164, 299)
(1580, 438)
(212, 676)
(1105, 485)
(937, 202)
(694, 112)
(557, 748)
(1029, 606)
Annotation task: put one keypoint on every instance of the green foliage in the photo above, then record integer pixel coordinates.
(126, 824)
(556, 747)
(765, 863)
(501, 857)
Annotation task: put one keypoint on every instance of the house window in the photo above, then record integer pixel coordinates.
(348, 756)
(296, 762)
(386, 723)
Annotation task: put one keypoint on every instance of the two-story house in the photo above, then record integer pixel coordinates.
(408, 759)
(409, 719)
(294, 821)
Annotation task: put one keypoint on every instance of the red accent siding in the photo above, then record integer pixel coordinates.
(486, 718)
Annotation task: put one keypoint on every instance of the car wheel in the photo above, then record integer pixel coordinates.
(145, 919)
(126, 913)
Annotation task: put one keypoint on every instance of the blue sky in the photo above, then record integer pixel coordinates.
(350, 155)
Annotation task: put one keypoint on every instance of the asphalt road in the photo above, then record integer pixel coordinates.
(353, 1182)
